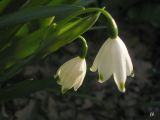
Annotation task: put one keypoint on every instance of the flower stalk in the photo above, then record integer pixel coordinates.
(111, 24)
(84, 47)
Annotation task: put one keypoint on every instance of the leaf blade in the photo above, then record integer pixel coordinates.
(36, 13)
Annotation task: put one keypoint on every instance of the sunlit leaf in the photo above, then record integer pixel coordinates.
(25, 15)
(72, 33)
(59, 2)
(29, 44)
(23, 31)
(50, 42)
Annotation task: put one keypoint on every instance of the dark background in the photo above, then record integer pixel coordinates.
(139, 28)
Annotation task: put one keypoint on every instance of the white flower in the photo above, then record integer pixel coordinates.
(113, 59)
(71, 74)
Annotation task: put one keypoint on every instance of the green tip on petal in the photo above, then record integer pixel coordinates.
(101, 78)
(64, 90)
(132, 74)
(58, 81)
(93, 69)
(55, 76)
(122, 87)
(75, 89)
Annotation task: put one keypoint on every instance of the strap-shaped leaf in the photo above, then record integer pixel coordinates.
(29, 14)
(3, 4)
(71, 34)
(29, 44)
(55, 39)
(85, 2)
(59, 2)
(30, 86)
(24, 88)
(6, 35)
(7, 31)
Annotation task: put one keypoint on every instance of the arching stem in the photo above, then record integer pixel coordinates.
(111, 24)
(84, 47)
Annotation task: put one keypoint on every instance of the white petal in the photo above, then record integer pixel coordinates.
(78, 82)
(65, 70)
(129, 66)
(70, 72)
(99, 56)
(81, 76)
(113, 58)
(105, 66)
(119, 65)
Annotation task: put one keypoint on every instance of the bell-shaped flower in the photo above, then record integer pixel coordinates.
(113, 59)
(71, 74)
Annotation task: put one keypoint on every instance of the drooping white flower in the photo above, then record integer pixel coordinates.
(71, 74)
(113, 59)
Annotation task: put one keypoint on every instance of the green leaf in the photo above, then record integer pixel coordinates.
(27, 87)
(3, 4)
(85, 2)
(23, 31)
(33, 3)
(25, 15)
(7, 58)
(46, 22)
(24, 88)
(6, 36)
(55, 39)
(29, 44)
(60, 2)
(71, 33)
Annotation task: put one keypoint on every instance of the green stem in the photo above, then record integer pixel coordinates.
(84, 47)
(113, 30)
